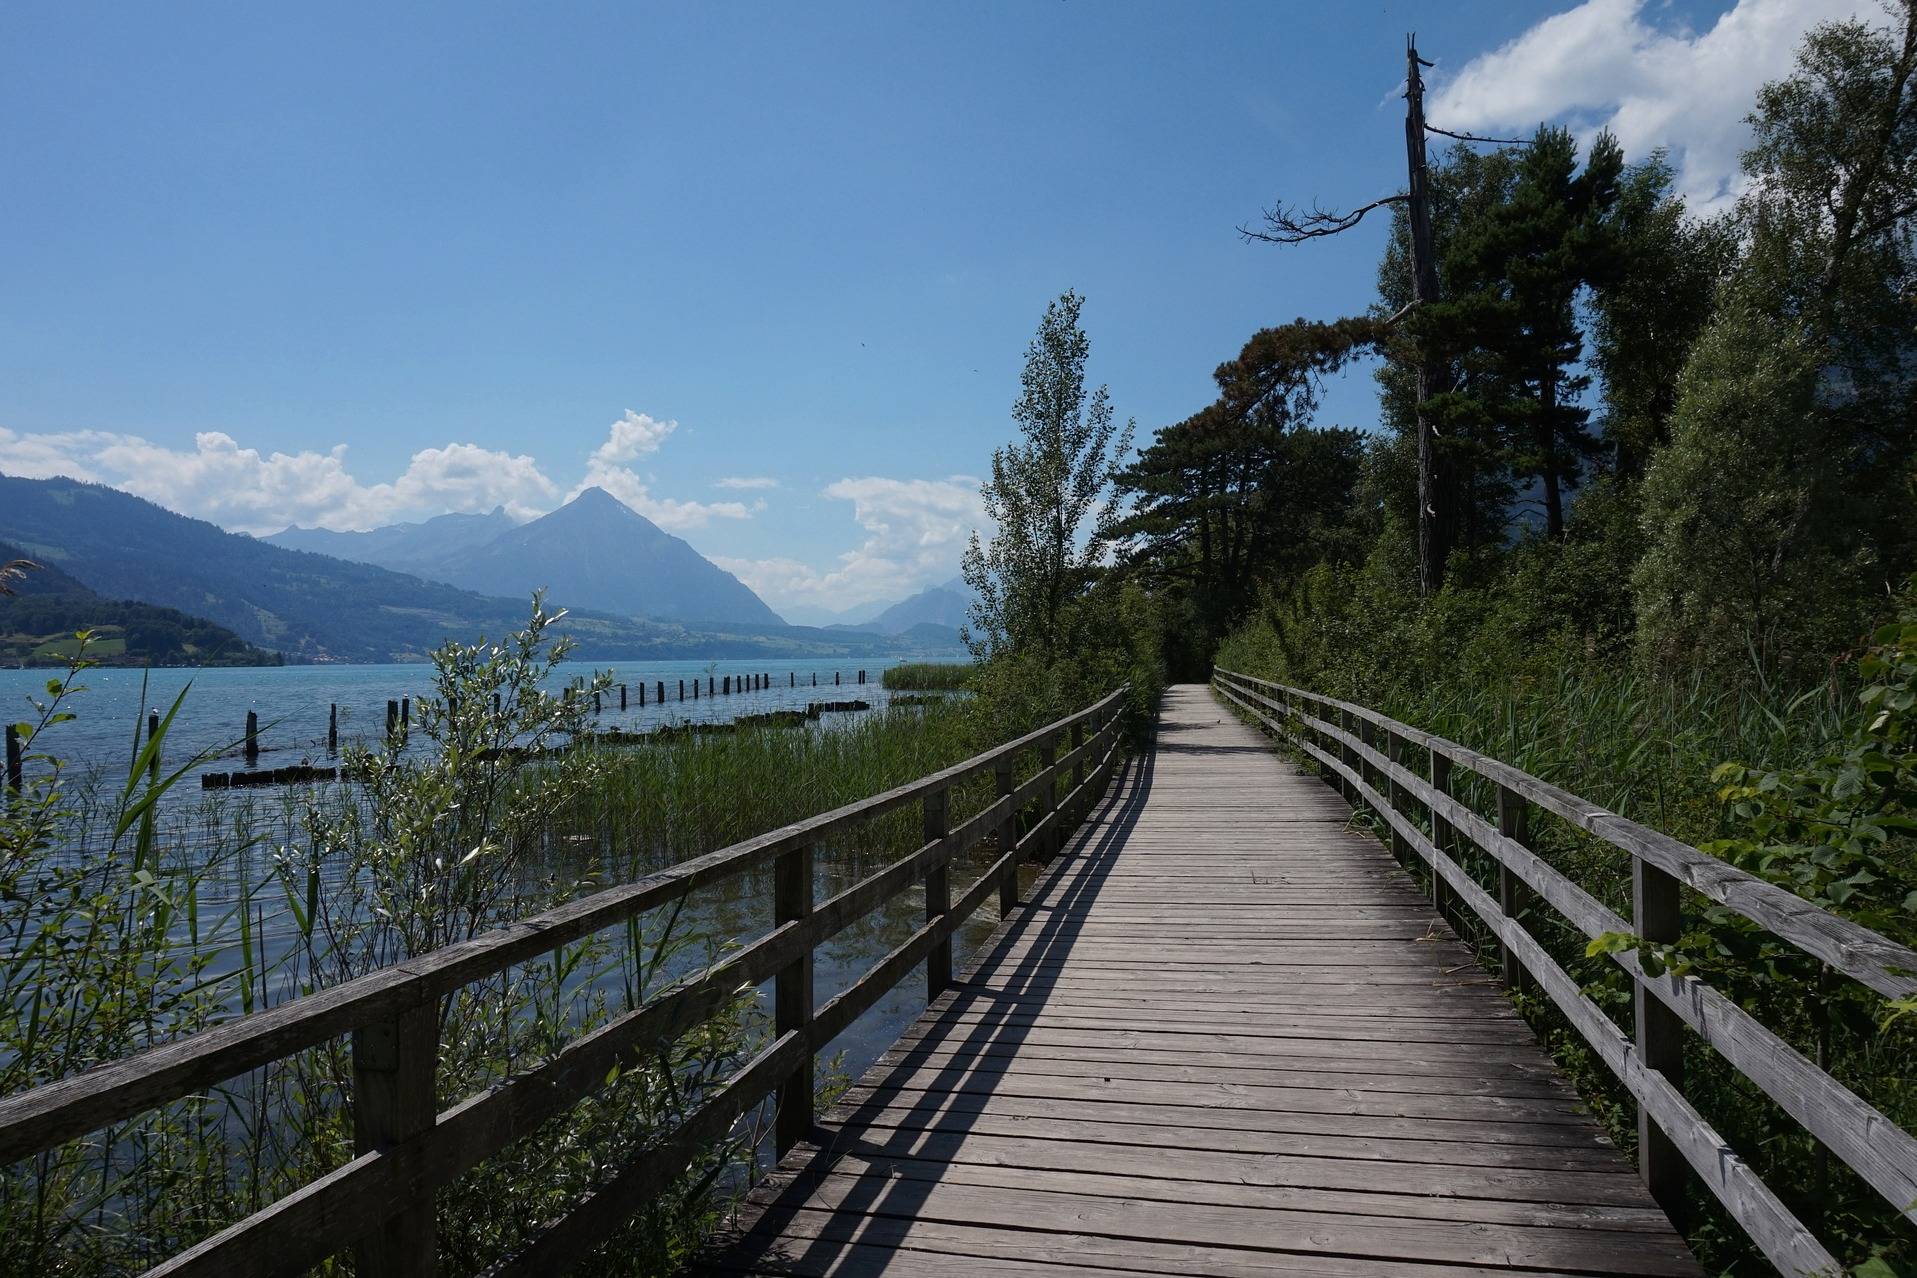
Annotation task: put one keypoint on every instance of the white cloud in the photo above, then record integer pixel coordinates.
(242, 489)
(637, 435)
(1601, 64)
(632, 436)
(44, 456)
(746, 482)
(249, 491)
(914, 529)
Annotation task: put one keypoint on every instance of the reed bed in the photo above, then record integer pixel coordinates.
(929, 676)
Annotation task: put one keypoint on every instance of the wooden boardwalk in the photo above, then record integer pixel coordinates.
(1227, 1036)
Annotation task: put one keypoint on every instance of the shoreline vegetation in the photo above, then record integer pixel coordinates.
(123, 928)
(928, 676)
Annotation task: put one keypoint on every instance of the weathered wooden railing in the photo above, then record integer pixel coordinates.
(380, 1205)
(1370, 758)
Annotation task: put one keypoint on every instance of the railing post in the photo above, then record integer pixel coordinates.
(1007, 836)
(792, 996)
(1346, 756)
(1442, 838)
(1077, 813)
(1514, 822)
(938, 898)
(1394, 752)
(1048, 795)
(1656, 916)
(394, 1064)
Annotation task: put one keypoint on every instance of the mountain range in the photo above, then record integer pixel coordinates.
(314, 606)
(593, 552)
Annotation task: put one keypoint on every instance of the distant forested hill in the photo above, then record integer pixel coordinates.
(38, 624)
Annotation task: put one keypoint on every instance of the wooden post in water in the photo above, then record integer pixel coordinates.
(392, 719)
(405, 716)
(1514, 823)
(708, 685)
(252, 737)
(792, 996)
(152, 734)
(682, 689)
(815, 678)
(1007, 836)
(393, 1065)
(695, 690)
(495, 705)
(13, 758)
(1656, 916)
(622, 695)
(728, 685)
(332, 728)
(835, 678)
(662, 691)
(938, 896)
(791, 678)
(597, 705)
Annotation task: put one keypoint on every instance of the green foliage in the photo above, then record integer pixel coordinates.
(1840, 829)
(1507, 324)
(1786, 496)
(1046, 499)
(1053, 628)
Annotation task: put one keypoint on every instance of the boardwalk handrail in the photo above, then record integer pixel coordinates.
(380, 1203)
(1345, 739)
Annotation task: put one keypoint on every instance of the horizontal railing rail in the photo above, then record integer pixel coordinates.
(379, 1204)
(1368, 756)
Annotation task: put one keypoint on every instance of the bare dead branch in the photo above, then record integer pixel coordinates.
(1473, 137)
(1287, 225)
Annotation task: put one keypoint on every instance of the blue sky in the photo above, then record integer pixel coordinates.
(764, 271)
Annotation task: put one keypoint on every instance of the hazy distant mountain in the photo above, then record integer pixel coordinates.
(596, 552)
(942, 605)
(410, 548)
(814, 615)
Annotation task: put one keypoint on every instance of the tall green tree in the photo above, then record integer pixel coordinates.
(1509, 325)
(1784, 504)
(1647, 315)
(1049, 498)
(1465, 186)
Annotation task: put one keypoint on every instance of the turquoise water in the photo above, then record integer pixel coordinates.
(292, 703)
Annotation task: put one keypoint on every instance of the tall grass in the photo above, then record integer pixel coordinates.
(928, 676)
(122, 933)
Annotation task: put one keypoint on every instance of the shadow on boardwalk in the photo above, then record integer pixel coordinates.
(1225, 1036)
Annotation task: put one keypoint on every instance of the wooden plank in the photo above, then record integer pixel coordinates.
(1217, 1038)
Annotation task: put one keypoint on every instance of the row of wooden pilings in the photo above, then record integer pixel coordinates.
(399, 713)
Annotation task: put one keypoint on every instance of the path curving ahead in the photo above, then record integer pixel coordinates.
(1225, 1036)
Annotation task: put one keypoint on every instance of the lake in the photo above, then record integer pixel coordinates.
(292, 703)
